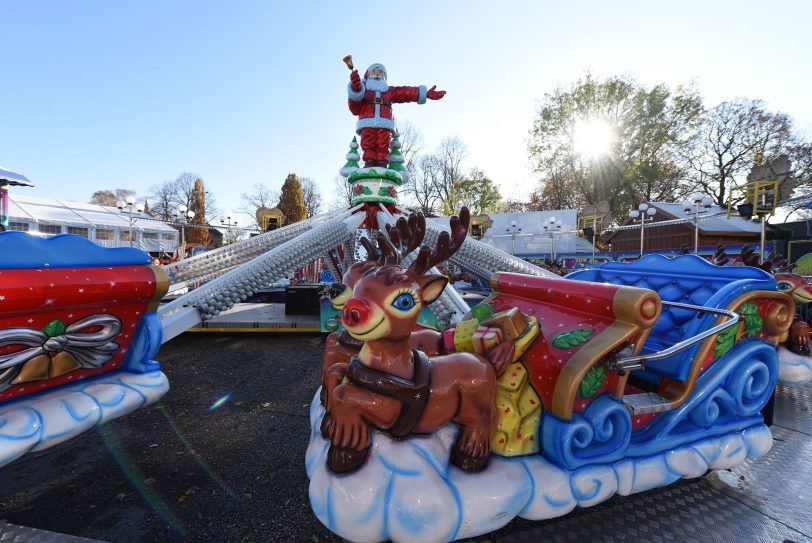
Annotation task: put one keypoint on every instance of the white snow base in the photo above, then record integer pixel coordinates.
(408, 492)
(44, 420)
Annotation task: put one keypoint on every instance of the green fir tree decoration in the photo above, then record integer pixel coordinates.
(395, 156)
(573, 338)
(592, 381)
(352, 159)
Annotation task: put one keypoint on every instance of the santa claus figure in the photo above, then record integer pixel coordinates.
(371, 99)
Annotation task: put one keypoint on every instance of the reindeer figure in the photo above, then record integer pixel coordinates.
(797, 339)
(406, 236)
(397, 389)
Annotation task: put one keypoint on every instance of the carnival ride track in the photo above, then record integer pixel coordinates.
(232, 273)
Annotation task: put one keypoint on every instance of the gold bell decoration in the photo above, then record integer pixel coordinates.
(348, 62)
(57, 349)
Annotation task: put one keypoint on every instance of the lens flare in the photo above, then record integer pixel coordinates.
(130, 469)
(196, 456)
(220, 402)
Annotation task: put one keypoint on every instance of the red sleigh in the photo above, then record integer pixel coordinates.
(78, 330)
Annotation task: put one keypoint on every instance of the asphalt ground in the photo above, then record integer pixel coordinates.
(182, 471)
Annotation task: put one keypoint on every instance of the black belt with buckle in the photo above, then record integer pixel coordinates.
(377, 100)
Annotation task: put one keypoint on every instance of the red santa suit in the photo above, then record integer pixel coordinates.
(372, 103)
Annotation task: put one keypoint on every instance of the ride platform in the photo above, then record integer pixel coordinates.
(761, 499)
(259, 317)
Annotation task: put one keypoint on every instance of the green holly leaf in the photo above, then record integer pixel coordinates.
(366, 190)
(482, 311)
(573, 338)
(54, 328)
(724, 341)
(592, 381)
(753, 322)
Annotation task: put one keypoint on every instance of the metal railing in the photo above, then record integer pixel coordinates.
(638, 362)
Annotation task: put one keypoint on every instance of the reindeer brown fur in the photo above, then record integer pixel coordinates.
(391, 386)
(406, 236)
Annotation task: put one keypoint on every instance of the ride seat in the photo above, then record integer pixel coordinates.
(687, 279)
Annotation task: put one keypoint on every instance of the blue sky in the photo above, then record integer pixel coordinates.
(104, 95)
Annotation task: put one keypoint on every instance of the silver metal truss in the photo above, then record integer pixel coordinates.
(482, 260)
(237, 284)
(199, 269)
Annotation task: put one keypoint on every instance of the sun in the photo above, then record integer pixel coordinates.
(593, 137)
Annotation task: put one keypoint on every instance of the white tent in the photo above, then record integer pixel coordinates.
(106, 226)
(533, 241)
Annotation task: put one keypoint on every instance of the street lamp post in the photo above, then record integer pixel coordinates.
(227, 222)
(184, 214)
(693, 205)
(641, 211)
(553, 227)
(127, 206)
(514, 230)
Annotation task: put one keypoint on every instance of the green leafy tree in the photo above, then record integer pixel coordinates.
(291, 202)
(477, 192)
(644, 129)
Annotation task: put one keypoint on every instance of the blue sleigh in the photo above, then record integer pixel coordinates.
(718, 379)
(684, 394)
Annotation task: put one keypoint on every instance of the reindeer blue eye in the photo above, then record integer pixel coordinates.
(404, 301)
(784, 286)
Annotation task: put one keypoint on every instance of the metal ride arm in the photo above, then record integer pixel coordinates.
(639, 362)
(483, 260)
(236, 285)
(206, 266)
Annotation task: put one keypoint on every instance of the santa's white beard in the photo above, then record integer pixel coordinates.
(377, 85)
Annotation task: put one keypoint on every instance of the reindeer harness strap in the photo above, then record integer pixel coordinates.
(345, 339)
(414, 395)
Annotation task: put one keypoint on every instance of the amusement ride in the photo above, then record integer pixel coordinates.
(552, 393)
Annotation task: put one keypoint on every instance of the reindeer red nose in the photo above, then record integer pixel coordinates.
(356, 311)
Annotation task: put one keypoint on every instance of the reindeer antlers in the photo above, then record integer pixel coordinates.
(720, 258)
(372, 251)
(406, 236)
(403, 238)
(447, 244)
(774, 263)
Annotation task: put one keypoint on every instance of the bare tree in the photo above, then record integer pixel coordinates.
(232, 235)
(450, 154)
(165, 198)
(424, 182)
(556, 190)
(343, 193)
(311, 196)
(259, 196)
(411, 143)
(111, 197)
(733, 137)
(513, 205)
